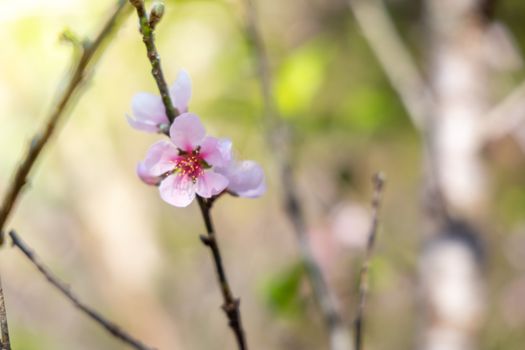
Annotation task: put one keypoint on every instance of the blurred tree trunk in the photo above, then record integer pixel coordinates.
(451, 261)
(450, 105)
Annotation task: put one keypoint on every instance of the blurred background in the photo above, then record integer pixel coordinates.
(140, 262)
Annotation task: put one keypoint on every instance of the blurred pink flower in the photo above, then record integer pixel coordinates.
(148, 110)
(350, 225)
(185, 166)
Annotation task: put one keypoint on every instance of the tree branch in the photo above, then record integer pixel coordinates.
(40, 139)
(5, 343)
(279, 141)
(363, 275)
(148, 36)
(417, 97)
(394, 57)
(231, 304)
(506, 117)
(109, 326)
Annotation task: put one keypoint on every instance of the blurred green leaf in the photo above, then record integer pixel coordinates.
(300, 78)
(513, 203)
(281, 291)
(369, 109)
(381, 274)
(28, 339)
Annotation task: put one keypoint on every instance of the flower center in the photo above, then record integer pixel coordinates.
(190, 165)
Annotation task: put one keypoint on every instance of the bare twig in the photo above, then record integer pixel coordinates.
(231, 304)
(271, 114)
(415, 93)
(506, 117)
(363, 275)
(109, 326)
(279, 141)
(5, 344)
(148, 36)
(394, 57)
(40, 139)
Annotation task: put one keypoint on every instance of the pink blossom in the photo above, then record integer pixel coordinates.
(146, 177)
(246, 178)
(185, 164)
(148, 110)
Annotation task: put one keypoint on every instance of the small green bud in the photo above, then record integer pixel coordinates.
(164, 129)
(157, 11)
(70, 37)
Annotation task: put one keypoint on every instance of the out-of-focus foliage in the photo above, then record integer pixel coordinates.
(140, 261)
(281, 291)
(300, 78)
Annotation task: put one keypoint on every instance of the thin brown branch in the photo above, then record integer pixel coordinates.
(271, 114)
(231, 304)
(414, 91)
(148, 36)
(109, 326)
(40, 139)
(279, 141)
(80, 72)
(363, 275)
(395, 58)
(5, 343)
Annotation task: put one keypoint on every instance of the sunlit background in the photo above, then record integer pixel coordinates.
(139, 261)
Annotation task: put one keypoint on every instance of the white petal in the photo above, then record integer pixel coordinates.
(177, 190)
(187, 131)
(211, 184)
(160, 158)
(147, 110)
(180, 91)
(246, 178)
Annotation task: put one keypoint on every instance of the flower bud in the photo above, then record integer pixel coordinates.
(157, 11)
